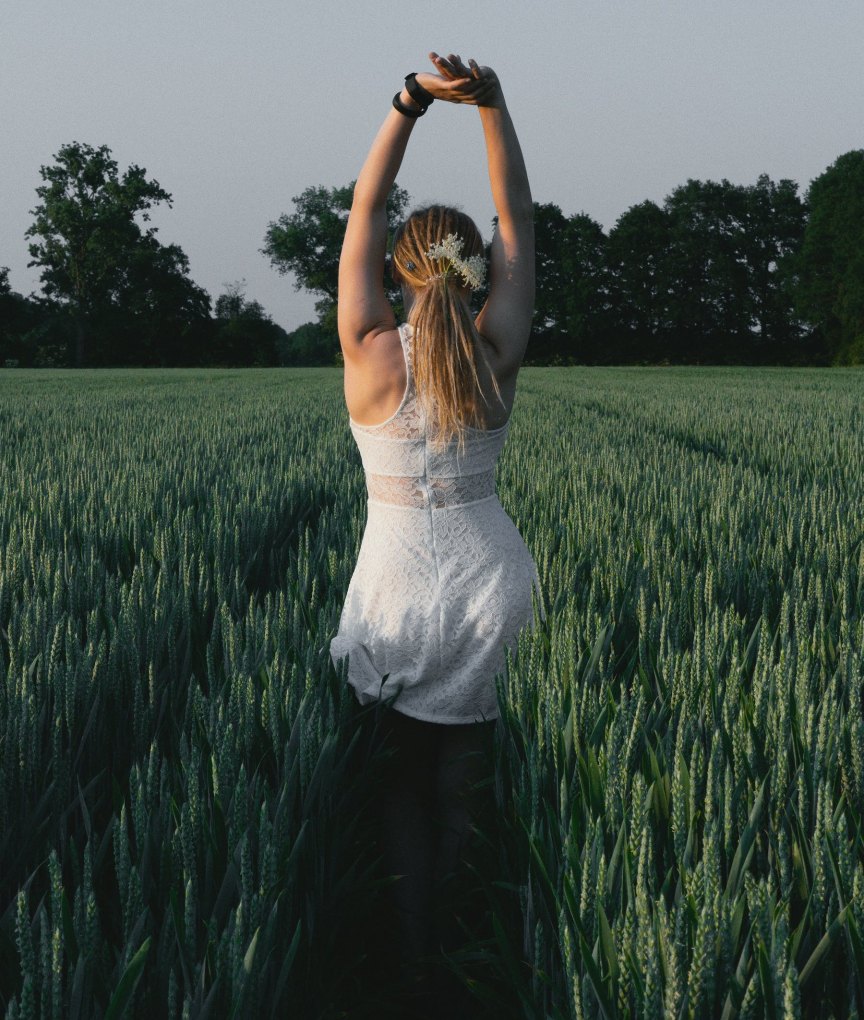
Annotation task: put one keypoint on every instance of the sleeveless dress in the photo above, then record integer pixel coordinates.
(443, 579)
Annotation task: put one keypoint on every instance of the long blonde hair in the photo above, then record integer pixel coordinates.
(445, 339)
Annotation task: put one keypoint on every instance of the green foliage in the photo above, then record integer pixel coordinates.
(180, 828)
(96, 260)
(308, 241)
(570, 301)
(679, 763)
(718, 273)
(831, 264)
(313, 343)
(244, 334)
(16, 315)
(707, 276)
(679, 766)
(637, 256)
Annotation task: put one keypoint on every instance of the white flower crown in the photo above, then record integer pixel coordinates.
(472, 269)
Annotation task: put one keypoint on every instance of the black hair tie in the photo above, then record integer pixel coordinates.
(406, 110)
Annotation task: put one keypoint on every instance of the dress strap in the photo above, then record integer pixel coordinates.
(407, 338)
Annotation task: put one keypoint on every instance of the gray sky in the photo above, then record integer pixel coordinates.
(235, 107)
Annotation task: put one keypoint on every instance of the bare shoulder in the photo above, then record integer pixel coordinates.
(375, 377)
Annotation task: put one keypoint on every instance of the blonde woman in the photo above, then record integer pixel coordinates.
(443, 579)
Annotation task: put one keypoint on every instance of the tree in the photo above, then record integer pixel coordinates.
(831, 263)
(15, 317)
(730, 297)
(97, 261)
(637, 261)
(570, 300)
(774, 220)
(587, 296)
(707, 295)
(245, 334)
(706, 277)
(232, 303)
(308, 242)
(310, 344)
(550, 327)
(159, 305)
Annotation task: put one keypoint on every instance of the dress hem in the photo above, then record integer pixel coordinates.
(365, 680)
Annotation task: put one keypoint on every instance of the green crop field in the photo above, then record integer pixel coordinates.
(679, 767)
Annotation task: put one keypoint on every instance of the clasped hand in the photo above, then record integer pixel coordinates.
(456, 83)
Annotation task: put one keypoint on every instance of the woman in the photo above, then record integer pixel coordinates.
(443, 579)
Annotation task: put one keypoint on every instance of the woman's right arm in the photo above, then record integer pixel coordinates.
(505, 321)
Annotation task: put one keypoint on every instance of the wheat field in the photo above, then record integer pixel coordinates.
(679, 764)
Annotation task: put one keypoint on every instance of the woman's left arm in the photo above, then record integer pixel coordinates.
(363, 309)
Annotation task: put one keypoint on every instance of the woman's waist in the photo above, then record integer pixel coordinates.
(422, 492)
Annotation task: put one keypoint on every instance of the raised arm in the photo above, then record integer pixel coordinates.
(363, 309)
(505, 320)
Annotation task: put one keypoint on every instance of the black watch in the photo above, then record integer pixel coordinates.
(417, 92)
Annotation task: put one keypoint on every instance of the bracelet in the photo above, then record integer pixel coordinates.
(406, 110)
(416, 91)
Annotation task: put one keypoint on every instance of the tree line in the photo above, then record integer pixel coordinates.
(717, 273)
(112, 293)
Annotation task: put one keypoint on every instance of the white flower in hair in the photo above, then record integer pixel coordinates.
(472, 269)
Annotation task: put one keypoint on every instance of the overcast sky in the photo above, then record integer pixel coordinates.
(235, 107)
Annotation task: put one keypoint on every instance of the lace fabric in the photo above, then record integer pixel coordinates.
(420, 492)
(408, 421)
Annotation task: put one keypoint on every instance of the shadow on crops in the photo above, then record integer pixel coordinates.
(463, 978)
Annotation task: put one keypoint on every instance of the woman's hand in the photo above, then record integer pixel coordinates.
(456, 83)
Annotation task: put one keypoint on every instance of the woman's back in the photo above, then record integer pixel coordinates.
(374, 388)
(444, 580)
(403, 467)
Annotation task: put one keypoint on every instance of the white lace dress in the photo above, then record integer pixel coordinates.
(443, 579)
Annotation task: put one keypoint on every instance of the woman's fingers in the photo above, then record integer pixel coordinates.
(441, 64)
(461, 83)
(463, 90)
(451, 90)
(456, 61)
(455, 67)
(480, 90)
(480, 98)
(444, 66)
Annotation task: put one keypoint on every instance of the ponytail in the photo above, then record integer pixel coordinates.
(445, 339)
